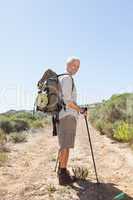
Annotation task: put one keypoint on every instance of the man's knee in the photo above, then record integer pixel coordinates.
(66, 150)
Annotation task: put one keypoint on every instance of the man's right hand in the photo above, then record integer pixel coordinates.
(81, 110)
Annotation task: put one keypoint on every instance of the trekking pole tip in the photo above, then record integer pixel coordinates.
(120, 196)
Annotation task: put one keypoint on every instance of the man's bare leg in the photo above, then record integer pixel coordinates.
(63, 174)
(63, 158)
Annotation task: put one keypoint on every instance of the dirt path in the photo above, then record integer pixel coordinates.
(29, 173)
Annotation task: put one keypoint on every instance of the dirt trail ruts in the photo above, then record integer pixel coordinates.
(29, 173)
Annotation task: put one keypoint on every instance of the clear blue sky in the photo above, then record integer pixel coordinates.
(35, 35)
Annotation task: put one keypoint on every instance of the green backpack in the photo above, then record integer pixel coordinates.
(49, 99)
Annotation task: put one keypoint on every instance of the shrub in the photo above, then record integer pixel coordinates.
(18, 137)
(37, 124)
(23, 115)
(6, 126)
(108, 129)
(114, 117)
(94, 114)
(123, 132)
(14, 125)
(21, 120)
(104, 128)
(99, 126)
(3, 138)
(20, 125)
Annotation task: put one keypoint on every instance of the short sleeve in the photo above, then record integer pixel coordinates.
(66, 84)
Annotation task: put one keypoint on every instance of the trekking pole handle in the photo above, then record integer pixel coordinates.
(83, 110)
(86, 108)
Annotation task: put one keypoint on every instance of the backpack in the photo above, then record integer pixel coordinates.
(49, 99)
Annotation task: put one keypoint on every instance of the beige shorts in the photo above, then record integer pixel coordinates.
(66, 130)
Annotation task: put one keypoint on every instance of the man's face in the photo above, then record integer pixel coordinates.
(73, 67)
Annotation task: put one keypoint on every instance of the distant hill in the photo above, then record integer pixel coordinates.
(16, 111)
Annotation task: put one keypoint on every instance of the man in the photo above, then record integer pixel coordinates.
(68, 119)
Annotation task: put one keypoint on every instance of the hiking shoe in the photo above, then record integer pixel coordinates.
(65, 178)
(62, 170)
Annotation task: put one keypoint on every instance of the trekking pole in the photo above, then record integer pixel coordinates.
(57, 161)
(91, 149)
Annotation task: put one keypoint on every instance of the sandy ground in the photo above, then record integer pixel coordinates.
(29, 173)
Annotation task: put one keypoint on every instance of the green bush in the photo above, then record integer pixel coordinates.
(104, 128)
(37, 124)
(18, 137)
(6, 126)
(3, 138)
(21, 121)
(23, 115)
(16, 125)
(99, 126)
(123, 132)
(107, 129)
(20, 125)
(114, 117)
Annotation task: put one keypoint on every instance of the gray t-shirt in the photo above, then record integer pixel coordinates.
(68, 95)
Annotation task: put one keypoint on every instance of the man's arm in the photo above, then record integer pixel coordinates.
(80, 110)
(74, 106)
(66, 92)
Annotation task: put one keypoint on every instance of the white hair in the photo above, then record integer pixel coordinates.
(71, 59)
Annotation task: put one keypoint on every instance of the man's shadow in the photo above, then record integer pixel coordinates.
(87, 190)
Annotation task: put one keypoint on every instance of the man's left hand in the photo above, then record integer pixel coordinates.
(83, 111)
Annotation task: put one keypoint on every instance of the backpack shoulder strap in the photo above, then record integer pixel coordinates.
(70, 76)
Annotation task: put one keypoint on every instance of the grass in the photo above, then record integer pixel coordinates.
(3, 158)
(18, 137)
(51, 188)
(81, 172)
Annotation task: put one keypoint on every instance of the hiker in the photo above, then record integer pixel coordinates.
(66, 128)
